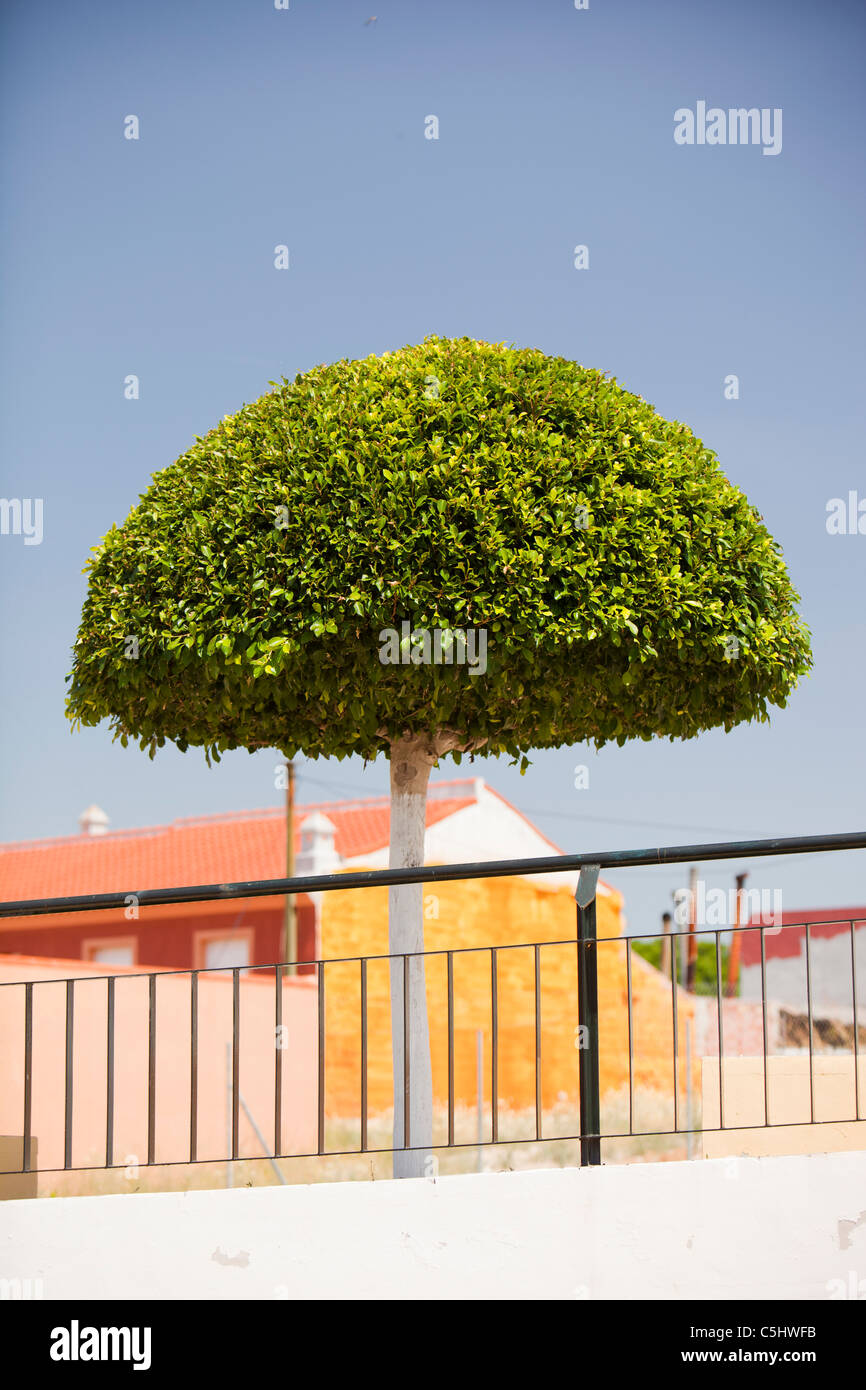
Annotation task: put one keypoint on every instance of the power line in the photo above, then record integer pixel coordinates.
(341, 786)
(606, 820)
(658, 870)
(536, 811)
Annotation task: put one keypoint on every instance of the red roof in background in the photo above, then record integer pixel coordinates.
(787, 939)
(229, 848)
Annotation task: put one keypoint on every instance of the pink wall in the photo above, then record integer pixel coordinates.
(257, 1061)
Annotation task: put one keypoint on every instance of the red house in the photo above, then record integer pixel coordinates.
(465, 820)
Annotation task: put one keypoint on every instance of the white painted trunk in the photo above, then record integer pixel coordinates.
(411, 761)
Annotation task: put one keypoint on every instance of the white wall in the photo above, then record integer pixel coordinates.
(830, 968)
(771, 1228)
(491, 828)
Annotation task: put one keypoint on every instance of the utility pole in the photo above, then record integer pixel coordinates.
(692, 959)
(290, 923)
(734, 954)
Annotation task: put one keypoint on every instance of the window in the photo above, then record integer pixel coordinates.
(118, 950)
(224, 950)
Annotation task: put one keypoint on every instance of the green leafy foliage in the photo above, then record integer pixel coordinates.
(602, 548)
(705, 963)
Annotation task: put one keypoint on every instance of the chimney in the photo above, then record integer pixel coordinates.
(93, 821)
(318, 854)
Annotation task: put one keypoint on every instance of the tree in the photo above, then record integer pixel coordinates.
(299, 577)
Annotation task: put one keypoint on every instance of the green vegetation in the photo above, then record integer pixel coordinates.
(452, 484)
(705, 968)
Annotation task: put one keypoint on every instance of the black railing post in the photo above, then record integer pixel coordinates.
(587, 1013)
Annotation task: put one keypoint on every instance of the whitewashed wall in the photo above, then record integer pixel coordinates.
(830, 966)
(771, 1228)
(491, 828)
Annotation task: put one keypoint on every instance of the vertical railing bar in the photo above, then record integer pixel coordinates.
(28, 1075)
(538, 1118)
(765, 1032)
(151, 1069)
(630, 1037)
(721, 1028)
(450, 962)
(809, 1014)
(67, 1119)
(109, 1072)
(587, 1016)
(193, 1066)
(236, 1059)
(278, 1060)
(494, 1047)
(320, 1061)
(856, 1027)
(676, 1037)
(406, 1062)
(363, 1054)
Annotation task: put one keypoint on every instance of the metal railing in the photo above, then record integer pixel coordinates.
(588, 1132)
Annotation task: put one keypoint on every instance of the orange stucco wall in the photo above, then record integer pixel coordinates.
(483, 913)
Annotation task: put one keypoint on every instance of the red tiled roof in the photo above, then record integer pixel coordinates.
(230, 848)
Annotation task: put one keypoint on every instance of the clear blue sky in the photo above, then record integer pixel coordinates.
(306, 127)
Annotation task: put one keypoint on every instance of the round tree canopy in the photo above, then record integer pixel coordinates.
(273, 586)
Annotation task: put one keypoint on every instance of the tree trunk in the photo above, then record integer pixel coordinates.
(411, 761)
